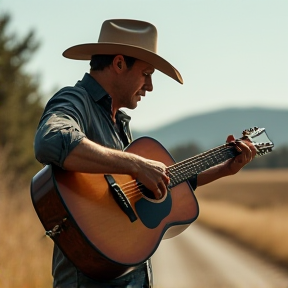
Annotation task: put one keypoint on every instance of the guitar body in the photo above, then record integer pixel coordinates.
(80, 214)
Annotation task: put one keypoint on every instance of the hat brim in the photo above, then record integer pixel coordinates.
(85, 52)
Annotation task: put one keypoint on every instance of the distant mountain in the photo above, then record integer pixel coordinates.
(211, 129)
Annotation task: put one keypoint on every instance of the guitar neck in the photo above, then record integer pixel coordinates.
(182, 171)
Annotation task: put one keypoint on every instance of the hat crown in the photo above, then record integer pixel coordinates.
(129, 32)
(128, 37)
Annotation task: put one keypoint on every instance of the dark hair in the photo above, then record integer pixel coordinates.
(99, 62)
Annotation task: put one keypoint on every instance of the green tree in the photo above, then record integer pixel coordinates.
(20, 103)
(278, 158)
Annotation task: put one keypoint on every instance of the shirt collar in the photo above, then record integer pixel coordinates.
(97, 92)
(94, 89)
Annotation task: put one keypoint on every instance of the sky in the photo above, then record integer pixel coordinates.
(230, 53)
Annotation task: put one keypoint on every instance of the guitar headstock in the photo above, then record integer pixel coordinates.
(259, 138)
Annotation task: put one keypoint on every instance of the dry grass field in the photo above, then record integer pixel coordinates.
(25, 255)
(251, 206)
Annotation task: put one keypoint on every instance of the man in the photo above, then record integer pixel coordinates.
(83, 129)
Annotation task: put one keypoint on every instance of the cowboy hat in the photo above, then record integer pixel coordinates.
(132, 38)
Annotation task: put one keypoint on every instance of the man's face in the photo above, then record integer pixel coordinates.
(134, 83)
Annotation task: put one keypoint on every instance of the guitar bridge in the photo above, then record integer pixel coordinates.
(121, 198)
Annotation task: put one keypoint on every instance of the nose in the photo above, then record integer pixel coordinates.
(148, 86)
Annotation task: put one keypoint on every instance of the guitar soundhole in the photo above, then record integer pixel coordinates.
(147, 193)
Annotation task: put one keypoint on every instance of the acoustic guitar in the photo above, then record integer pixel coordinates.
(106, 224)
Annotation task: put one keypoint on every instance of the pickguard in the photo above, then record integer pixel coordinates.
(152, 213)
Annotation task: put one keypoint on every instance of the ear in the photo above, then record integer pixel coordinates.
(118, 63)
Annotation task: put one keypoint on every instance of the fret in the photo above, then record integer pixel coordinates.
(183, 170)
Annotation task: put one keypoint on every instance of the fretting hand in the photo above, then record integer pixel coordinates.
(248, 152)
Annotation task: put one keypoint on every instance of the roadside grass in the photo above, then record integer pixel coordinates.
(25, 255)
(265, 230)
(252, 208)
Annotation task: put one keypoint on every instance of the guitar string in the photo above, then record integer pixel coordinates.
(184, 164)
(140, 187)
(203, 161)
(218, 154)
(178, 171)
(183, 173)
(129, 184)
(231, 151)
(210, 155)
(205, 155)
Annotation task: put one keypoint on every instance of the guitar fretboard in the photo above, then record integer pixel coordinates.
(183, 170)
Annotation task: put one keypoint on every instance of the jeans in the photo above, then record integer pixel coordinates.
(136, 279)
(139, 278)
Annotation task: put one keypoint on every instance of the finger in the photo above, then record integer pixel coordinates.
(164, 174)
(246, 152)
(252, 149)
(230, 138)
(158, 194)
(161, 189)
(166, 179)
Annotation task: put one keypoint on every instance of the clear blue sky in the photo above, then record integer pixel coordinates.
(230, 53)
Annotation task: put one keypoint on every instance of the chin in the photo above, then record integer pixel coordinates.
(132, 106)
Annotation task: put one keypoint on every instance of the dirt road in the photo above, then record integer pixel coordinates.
(199, 258)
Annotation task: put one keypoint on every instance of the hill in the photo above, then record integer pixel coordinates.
(211, 129)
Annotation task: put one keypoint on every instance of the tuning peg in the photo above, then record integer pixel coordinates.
(245, 132)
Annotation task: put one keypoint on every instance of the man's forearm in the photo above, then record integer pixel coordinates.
(229, 167)
(211, 175)
(90, 157)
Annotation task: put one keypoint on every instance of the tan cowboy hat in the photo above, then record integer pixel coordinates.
(132, 38)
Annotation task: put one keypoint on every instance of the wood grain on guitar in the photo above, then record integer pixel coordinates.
(105, 224)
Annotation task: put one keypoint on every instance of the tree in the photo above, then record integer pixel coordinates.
(20, 103)
(185, 151)
(278, 158)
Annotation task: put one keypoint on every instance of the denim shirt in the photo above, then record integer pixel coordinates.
(70, 115)
(77, 112)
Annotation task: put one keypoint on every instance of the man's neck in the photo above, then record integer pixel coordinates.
(105, 79)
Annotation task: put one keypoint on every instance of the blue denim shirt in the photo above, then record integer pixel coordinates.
(70, 115)
(76, 112)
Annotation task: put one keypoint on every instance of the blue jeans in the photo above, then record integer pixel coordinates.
(67, 276)
(139, 278)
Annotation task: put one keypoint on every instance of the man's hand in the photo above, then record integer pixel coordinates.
(248, 152)
(152, 174)
(229, 167)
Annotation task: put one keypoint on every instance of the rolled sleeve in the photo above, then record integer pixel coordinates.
(57, 135)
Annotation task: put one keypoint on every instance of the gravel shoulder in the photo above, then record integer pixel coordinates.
(201, 258)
